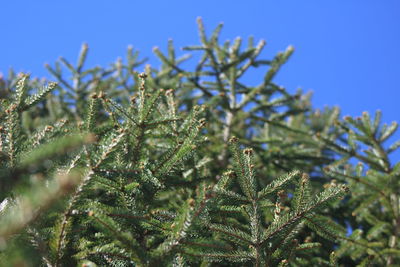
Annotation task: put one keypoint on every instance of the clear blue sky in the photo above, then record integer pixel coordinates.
(347, 51)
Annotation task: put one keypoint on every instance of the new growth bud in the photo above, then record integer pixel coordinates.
(233, 139)
(248, 151)
(143, 75)
(169, 92)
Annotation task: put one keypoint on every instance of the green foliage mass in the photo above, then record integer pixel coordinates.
(108, 167)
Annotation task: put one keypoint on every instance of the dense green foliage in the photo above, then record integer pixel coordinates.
(105, 168)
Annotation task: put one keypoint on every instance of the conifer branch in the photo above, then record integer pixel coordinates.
(147, 166)
(28, 207)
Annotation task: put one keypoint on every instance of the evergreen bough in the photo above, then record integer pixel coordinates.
(112, 170)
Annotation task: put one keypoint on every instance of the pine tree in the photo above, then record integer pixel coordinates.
(112, 170)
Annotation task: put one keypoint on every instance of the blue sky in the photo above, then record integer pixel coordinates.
(347, 52)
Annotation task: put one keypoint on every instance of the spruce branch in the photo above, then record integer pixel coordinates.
(29, 206)
(149, 164)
